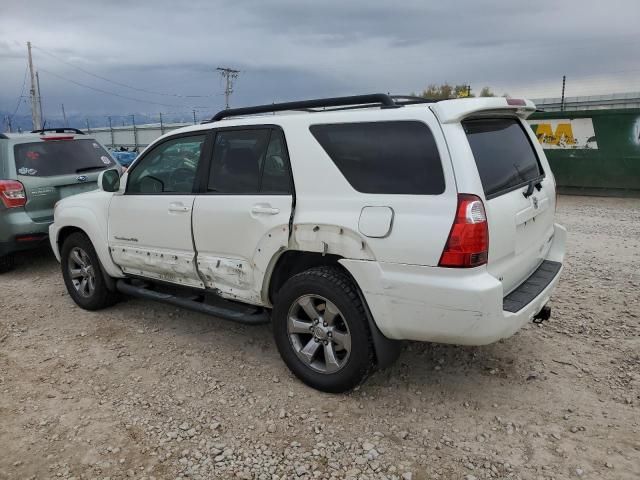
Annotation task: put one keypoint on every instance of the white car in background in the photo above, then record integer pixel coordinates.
(348, 223)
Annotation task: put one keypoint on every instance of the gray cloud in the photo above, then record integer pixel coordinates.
(290, 49)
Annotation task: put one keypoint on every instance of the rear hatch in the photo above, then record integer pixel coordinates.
(55, 167)
(520, 196)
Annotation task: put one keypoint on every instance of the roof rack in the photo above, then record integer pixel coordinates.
(42, 131)
(356, 101)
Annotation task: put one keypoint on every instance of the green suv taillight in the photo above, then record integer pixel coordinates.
(12, 194)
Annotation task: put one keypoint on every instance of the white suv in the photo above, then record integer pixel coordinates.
(348, 223)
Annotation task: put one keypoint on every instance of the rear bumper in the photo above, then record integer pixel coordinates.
(19, 232)
(459, 306)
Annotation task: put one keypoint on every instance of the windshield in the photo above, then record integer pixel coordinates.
(60, 157)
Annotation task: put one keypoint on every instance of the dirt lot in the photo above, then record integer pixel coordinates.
(143, 390)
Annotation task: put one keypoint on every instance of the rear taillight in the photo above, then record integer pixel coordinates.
(468, 243)
(12, 193)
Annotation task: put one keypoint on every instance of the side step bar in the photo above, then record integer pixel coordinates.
(254, 318)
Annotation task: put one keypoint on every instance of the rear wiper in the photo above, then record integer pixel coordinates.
(537, 184)
(87, 169)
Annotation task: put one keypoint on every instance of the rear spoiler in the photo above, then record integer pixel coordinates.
(453, 111)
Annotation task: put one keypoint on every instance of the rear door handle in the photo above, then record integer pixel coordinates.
(264, 209)
(178, 207)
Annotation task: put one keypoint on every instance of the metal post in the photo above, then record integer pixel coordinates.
(161, 125)
(111, 132)
(194, 117)
(564, 79)
(135, 133)
(35, 109)
(88, 127)
(64, 116)
(39, 99)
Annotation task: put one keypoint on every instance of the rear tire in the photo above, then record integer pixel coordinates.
(83, 275)
(321, 330)
(6, 263)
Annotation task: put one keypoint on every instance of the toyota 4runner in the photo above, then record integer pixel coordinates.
(348, 223)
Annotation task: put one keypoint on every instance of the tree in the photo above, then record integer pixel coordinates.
(446, 91)
(486, 92)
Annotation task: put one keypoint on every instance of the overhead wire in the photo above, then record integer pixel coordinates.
(106, 92)
(21, 96)
(120, 84)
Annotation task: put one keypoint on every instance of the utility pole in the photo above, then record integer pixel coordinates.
(161, 125)
(88, 127)
(564, 80)
(194, 117)
(229, 75)
(468, 90)
(36, 119)
(64, 116)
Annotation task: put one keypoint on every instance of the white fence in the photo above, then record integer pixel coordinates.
(136, 137)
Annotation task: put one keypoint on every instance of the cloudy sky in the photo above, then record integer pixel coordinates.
(291, 49)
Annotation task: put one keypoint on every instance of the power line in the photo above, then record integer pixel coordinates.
(119, 83)
(21, 96)
(106, 92)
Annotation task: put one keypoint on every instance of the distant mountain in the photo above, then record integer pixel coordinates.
(21, 122)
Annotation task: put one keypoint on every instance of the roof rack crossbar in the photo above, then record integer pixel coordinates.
(382, 99)
(58, 130)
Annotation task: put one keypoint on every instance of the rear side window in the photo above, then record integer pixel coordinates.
(384, 157)
(503, 153)
(249, 162)
(60, 157)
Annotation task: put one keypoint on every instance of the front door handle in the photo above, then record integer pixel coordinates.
(264, 209)
(178, 207)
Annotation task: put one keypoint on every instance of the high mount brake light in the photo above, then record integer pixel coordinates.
(57, 137)
(517, 102)
(468, 242)
(12, 193)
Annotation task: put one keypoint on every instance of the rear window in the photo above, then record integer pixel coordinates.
(503, 152)
(60, 157)
(384, 157)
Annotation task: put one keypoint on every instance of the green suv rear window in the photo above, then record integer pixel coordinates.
(60, 157)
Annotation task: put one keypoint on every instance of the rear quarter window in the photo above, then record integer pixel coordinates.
(503, 153)
(60, 157)
(397, 157)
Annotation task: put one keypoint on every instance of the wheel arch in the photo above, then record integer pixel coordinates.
(78, 219)
(292, 262)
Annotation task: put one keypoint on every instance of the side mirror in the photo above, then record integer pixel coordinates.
(109, 180)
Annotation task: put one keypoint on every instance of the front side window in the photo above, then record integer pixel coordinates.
(397, 157)
(249, 162)
(60, 157)
(168, 168)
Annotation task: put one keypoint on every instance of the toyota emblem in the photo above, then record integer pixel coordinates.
(81, 178)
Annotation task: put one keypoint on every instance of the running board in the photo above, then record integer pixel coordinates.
(255, 318)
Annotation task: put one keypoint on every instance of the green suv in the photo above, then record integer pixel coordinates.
(36, 170)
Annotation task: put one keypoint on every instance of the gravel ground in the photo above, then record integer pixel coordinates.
(148, 391)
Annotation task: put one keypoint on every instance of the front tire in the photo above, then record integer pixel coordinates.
(83, 275)
(321, 330)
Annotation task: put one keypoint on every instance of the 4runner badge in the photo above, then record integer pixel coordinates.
(535, 202)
